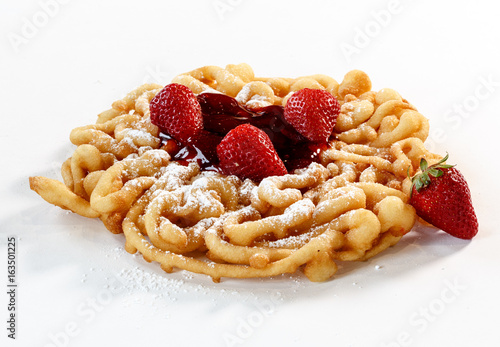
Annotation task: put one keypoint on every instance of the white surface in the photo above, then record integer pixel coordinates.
(77, 286)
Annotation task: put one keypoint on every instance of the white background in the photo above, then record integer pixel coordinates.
(61, 63)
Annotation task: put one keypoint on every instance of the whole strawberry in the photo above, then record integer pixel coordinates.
(441, 197)
(176, 111)
(313, 113)
(247, 152)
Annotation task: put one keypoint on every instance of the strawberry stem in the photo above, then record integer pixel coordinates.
(422, 179)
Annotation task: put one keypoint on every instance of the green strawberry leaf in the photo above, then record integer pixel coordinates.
(423, 164)
(418, 185)
(423, 179)
(434, 172)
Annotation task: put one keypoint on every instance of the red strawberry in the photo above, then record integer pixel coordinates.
(313, 113)
(442, 197)
(176, 111)
(247, 152)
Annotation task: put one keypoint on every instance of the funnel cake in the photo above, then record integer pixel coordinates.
(348, 203)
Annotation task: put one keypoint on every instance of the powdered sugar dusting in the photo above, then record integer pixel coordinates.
(292, 241)
(138, 279)
(304, 207)
(252, 101)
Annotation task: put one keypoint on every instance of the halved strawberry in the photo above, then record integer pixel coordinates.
(313, 113)
(176, 111)
(247, 152)
(441, 197)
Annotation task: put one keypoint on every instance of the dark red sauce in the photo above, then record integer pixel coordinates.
(221, 113)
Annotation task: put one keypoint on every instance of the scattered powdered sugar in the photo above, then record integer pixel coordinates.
(203, 225)
(248, 188)
(195, 196)
(137, 279)
(244, 94)
(173, 175)
(129, 142)
(206, 202)
(157, 156)
(203, 201)
(137, 134)
(291, 241)
(119, 251)
(147, 243)
(161, 290)
(258, 101)
(254, 101)
(299, 208)
(358, 109)
(200, 182)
